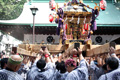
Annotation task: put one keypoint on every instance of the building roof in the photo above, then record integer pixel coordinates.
(110, 17)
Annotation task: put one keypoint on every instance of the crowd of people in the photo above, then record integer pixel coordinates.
(56, 67)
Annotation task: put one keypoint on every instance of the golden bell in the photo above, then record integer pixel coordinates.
(91, 32)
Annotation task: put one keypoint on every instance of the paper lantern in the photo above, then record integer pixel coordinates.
(52, 4)
(103, 4)
(50, 18)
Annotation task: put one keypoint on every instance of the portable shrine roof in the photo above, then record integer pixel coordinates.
(110, 17)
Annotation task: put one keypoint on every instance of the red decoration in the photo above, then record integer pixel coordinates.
(50, 18)
(17, 53)
(46, 55)
(74, 55)
(103, 4)
(83, 31)
(52, 4)
(65, 26)
(86, 26)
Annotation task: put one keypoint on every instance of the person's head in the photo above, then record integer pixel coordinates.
(70, 65)
(62, 67)
(14, 62)
(112, 63)
(41, 64)
(4, 63)
(57, 65)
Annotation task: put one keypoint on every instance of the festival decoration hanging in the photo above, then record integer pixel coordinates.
(65, 26)
(86, 26)
(83, 31)
(52, 4)
(103, 5)
(50, 18)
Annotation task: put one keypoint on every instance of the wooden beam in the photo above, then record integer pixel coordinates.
(82, 47)
(36, 47)
(117, 49)
(71, 46)
(93, 50)
(100, 49)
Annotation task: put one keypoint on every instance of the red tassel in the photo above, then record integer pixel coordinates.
(65, 26)
(83, 31)
(86, 26)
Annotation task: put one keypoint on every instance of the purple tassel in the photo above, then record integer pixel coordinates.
(95, 14)
(95, 26)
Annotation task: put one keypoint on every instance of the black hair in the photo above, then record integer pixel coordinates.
(106, 59)
(41, 64)
(95, 62)
(57, 65)
(3, 62)
(62, 67)
(77, 63)
(104, 67)
(112, 62)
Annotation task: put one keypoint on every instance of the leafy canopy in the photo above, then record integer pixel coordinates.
(10, 9)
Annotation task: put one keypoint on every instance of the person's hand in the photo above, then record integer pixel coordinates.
(111, 50)
(32, 59)
(60, 57)
(73, 51)
(46, 51)
(38, 57)
(79, 51)
(55, 58)
(41, 51)
(99, 60)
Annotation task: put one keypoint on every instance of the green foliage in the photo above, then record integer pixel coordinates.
(10, 9)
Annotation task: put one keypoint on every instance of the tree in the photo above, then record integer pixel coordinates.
(10, 9)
